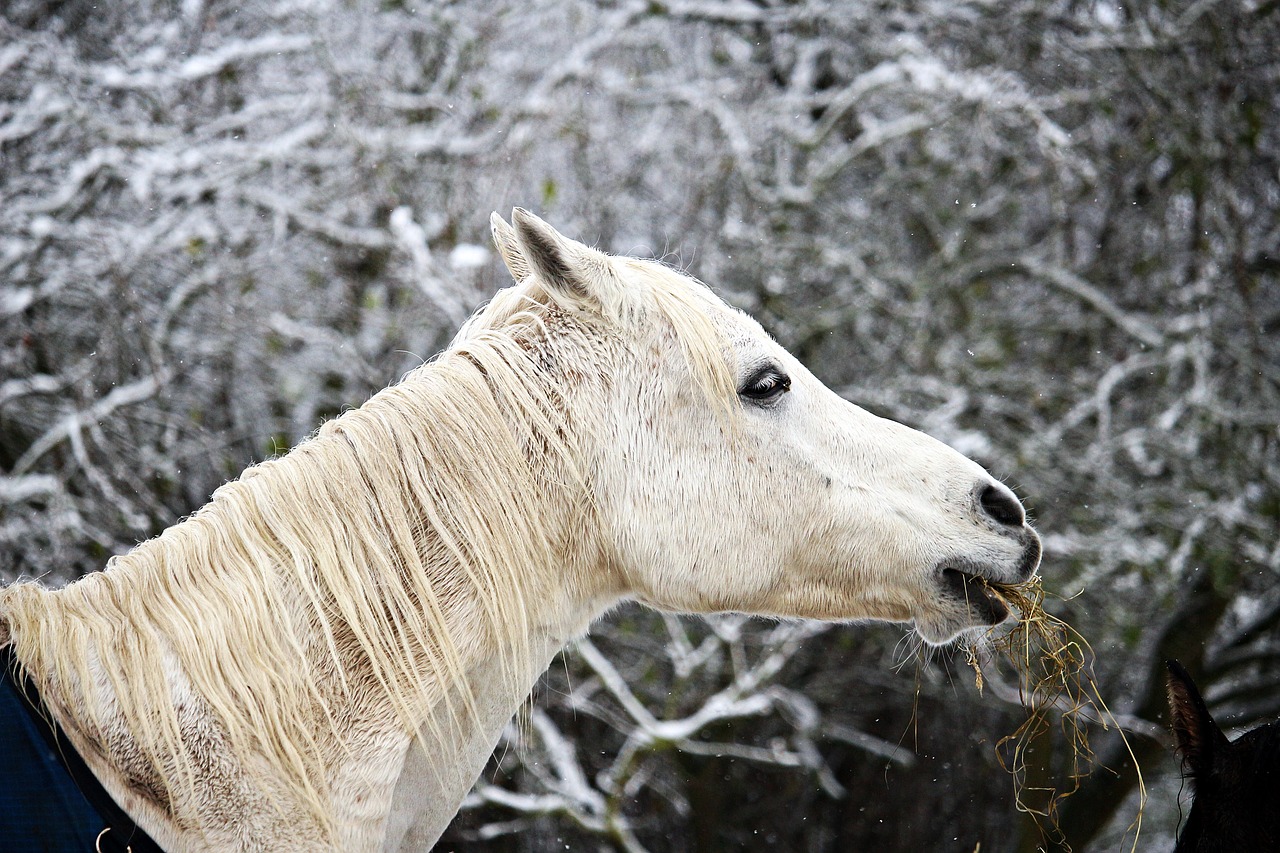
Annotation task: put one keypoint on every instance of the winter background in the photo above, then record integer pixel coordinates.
(1044, 231)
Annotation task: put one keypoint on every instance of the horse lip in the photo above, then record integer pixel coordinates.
(971, 589)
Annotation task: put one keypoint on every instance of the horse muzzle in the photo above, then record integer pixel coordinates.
(964, 597)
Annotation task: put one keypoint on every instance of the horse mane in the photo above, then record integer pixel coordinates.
(335, 572)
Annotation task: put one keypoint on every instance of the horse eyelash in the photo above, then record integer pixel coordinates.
(781, 383)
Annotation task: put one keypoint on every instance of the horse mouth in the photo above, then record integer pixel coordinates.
(979, 598)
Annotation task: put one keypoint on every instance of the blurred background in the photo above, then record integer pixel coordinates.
(1044, 231)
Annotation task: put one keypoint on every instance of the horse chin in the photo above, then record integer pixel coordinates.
(938, 631)
(964, 605)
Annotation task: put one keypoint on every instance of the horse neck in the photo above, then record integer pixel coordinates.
(433, 771)
(293, 533)
(432, 774)
(437, 769)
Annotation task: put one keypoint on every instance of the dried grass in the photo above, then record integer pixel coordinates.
(1054, 667)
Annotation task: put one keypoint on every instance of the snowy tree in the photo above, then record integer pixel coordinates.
(1046, 233)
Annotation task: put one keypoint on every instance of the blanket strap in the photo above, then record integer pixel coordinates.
(121, 834)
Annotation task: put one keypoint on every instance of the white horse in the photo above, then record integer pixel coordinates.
(325, 654)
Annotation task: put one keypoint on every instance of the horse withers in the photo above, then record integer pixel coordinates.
(326, 653)
(1236, 783)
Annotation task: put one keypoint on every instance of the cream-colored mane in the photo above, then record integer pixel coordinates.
(351, 570)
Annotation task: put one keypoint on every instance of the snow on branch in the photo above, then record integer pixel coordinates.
(426, 276)
(325, 226)
(203, 65)
(72, 424)
(1065, 279)
(17, 489)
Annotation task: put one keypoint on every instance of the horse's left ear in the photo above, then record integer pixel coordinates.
(564, 265)
(504, 237)
(1197, 736)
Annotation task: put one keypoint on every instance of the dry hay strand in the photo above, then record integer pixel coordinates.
(1054, 667)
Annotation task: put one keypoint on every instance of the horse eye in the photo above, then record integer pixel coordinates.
(765, 385)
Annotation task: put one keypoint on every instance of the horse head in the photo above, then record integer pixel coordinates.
(726, 476)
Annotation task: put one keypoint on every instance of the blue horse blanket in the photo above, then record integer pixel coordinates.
(41, 806)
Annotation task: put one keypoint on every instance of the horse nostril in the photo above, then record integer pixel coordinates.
(1002, 506)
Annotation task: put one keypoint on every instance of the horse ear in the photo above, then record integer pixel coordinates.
(504, 237)
(560, 263)
(1196, 736)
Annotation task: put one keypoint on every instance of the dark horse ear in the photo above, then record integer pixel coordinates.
(1196, 735)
